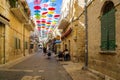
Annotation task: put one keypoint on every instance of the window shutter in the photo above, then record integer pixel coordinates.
(15, 43)
(108, 31)
(104, 31)
(111, 25)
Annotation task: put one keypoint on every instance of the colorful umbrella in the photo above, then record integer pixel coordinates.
(44, 13)
(50, 12)
(46, 19)
(36, 2)
(37, 7)
(52, 4)
(53, 0)
(56, 15)
(44, 9)
(37, 11)
(51, 8)
(38, 21)
(49, 15)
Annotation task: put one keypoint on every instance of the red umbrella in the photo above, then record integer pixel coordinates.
(48, 23)
(43, 21)
(37, 7)
(44, 13)
(57, 15)
(38, 21)
(51, 8)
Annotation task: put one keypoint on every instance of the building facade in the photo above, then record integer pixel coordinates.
(15, 27)
(73, 30)
(103, 48)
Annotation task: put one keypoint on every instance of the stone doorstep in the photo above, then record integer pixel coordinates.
(12, 63)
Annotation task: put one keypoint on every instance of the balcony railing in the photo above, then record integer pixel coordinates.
(19, 10)
(63, 24)
(30, 25)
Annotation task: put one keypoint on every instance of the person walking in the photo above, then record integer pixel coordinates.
(60, 55)
(44, 50)
(49, 53)
(66, 55)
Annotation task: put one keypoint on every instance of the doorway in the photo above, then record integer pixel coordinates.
(69, 45)
(2, 43)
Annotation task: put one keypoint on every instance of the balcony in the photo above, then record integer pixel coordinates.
(19, 10)
(63, 24)
(30, 25)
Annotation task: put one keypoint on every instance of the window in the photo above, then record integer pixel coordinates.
(17, 43)
(26, 45)
(108, 27)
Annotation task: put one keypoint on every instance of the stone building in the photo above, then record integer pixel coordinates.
(15, 27)
(73, 30)
(104, 38)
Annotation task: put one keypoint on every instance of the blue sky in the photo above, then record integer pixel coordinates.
(58, 6)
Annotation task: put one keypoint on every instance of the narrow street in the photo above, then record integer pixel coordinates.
(82, 35)
(36, 67)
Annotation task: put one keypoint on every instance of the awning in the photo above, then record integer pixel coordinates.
(57, 41)
(66, 33)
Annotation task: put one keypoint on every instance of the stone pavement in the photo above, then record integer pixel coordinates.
(73, 69)
(76, 72)
(34, 67)
(14, 62)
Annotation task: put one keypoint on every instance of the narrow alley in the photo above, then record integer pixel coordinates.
(80, 37)
(36, 67)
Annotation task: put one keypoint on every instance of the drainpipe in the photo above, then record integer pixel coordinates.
(23, 39)
(86, 36)
(4, 55)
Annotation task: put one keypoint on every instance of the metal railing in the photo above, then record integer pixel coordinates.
(18, 4)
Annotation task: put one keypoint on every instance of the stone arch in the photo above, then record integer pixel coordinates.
(107, 6)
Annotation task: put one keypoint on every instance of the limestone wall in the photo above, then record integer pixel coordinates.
(106, 64)
(75, 41)
(15, 29)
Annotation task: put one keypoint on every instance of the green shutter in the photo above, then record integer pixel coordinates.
(108, 31)
(18, 43)
(104, 31)
(15, 43)
(111, 21)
